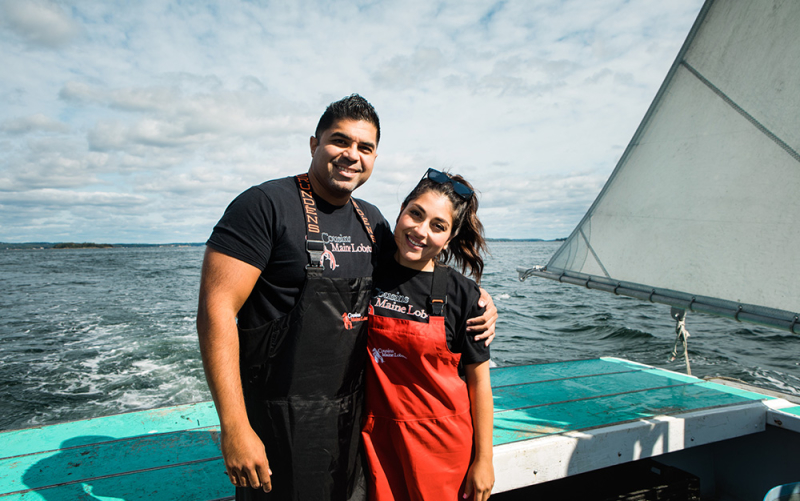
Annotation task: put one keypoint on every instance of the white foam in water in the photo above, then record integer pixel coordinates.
(779, 384)
(146, 366)
(132, 400)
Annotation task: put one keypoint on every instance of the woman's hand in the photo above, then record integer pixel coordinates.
(480, 480)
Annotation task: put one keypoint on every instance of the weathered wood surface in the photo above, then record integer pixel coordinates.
(173, 453)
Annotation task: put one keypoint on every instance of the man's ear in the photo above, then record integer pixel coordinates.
(313, 143)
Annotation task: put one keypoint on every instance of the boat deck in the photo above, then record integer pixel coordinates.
(551, 421)
(561, 419)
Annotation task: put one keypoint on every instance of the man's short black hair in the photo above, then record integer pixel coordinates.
(352, 107)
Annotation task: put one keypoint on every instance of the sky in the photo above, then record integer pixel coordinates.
(138, 122)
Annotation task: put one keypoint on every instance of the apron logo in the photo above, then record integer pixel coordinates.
(378, 354)
(349, 318)
(330, 257)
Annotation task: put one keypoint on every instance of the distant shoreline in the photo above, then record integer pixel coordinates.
(85, 245)
(92, 245)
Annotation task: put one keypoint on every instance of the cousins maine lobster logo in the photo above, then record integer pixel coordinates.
(349, 318)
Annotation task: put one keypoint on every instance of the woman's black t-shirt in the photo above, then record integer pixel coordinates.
(403, 293)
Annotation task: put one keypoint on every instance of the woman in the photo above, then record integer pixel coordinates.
(428, 434)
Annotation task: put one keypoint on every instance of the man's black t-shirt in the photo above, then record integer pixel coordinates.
(264, 227)
(403, 293)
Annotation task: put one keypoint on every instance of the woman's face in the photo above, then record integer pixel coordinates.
(423, 229)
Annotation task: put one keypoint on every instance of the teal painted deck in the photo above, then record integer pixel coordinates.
(168, 453)
(546, 399)
(173, 453)
(793, 410)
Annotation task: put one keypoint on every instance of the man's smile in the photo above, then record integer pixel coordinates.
(346, 169)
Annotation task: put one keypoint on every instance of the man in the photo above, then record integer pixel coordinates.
(284, 292)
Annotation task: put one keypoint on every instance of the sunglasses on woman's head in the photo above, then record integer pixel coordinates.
(461, 189)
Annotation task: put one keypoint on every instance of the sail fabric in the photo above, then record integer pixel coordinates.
(705, 200)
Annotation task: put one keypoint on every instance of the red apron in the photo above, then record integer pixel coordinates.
(418, 430)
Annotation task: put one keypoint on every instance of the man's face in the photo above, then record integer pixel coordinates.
(342, 159)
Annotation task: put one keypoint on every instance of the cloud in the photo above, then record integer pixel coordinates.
(171, 116)
(513, 204)
(39, 23)
(179, 107)
(414, 70)
(50, 163)
(33, 123)
(59, 199)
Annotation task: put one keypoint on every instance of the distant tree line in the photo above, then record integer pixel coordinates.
(85, 245)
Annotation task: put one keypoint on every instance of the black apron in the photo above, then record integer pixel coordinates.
(303, 376)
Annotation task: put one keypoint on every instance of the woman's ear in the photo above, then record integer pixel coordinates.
(448, 242)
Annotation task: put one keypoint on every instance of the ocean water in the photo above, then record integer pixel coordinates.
(91, 332)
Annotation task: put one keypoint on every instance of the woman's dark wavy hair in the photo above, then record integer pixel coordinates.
(352, 107)
(468, 244)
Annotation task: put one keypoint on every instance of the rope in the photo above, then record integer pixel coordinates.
(681, 337)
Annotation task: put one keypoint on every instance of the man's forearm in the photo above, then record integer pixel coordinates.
(219, 347)
(225, 284)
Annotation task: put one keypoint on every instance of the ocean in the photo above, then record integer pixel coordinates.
(92, 332)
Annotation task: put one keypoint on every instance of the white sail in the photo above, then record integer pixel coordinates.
(704, 205)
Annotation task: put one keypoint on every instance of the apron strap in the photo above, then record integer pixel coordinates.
(368, 228)
(364, 221)
(438, 298)
(315, 247)
(314, 244)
